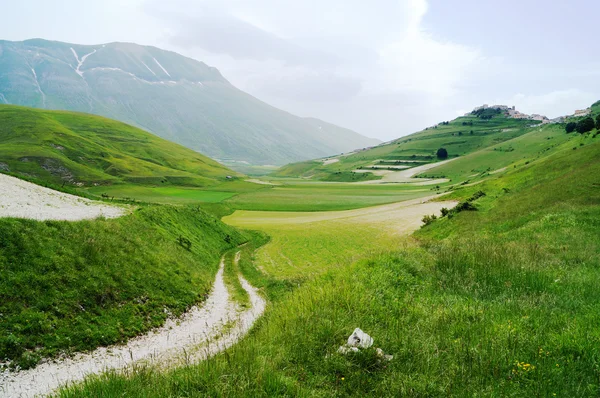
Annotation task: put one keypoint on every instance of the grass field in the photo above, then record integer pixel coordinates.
(72, 286)
(496, 302)
(304, 244)
(295, 195)
(85, 150)
(460, 137)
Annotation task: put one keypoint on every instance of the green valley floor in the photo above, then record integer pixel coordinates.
(478, 275)
(497, 301)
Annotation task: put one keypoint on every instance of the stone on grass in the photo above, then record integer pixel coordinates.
(360, 339)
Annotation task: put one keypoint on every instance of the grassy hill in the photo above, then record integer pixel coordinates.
(460, 137)
(72, 286)
(81, 149)
(497, 301)
(175, 97)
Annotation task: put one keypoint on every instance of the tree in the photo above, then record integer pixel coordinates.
(570, 127)
(585, 125)
(442, 153)
(598, 122)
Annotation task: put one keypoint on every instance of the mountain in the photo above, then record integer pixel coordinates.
(81, 149)
(461, 136)
(174, 97)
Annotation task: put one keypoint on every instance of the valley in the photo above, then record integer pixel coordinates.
(495, 295)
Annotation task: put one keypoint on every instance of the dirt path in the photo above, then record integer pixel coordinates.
(22, 199)
(201, 333)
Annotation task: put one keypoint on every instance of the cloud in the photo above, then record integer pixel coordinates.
(553, 104)
(307, 55)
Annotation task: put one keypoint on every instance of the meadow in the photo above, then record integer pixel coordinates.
(73, 286)
(460, 137)
(76, 149)
(496, 300)
(501, 301)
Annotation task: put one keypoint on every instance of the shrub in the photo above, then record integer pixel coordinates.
(570, 127)
(585, 125)
(462, 206)
(428, 219)
(442, 153)
(598, 122)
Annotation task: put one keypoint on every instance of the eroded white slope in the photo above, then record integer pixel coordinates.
(22, 199)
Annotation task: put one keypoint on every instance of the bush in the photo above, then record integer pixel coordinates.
(585, 125)
(570, 127)
(598, 122)
(442, 153)
(428, 219)
(462, 206)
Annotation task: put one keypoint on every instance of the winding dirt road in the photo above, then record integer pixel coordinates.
(200, 334)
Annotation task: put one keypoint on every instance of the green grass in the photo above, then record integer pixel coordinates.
(80, 149)
(72, 286)
(297, 195)
(538, 142)
(502, 301)
(419, 147)
(171, 195)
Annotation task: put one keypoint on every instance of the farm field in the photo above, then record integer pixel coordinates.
(307, 243)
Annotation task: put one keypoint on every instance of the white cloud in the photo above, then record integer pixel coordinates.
(330, 60)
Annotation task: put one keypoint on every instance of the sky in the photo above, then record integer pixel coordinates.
(384, 68)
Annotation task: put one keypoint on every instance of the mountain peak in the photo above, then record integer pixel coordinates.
(175, 97)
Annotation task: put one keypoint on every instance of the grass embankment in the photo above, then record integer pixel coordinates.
(76, 148)
(498, 302)
(73, 286)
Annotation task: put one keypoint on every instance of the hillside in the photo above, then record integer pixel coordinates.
(84, 150)
(459, 137)
(72, 286)
(499, 299)
(175, 97)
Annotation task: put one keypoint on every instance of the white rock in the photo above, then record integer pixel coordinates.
(382, 355)
(360, 339)
(345, 349)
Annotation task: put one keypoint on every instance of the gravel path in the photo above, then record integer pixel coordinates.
(197, 336)
(22, 199)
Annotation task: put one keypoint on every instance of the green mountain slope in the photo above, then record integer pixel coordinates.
(175, 97)
(81, 149)
(459, 137)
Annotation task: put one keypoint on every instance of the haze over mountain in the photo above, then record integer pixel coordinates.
(177, 98)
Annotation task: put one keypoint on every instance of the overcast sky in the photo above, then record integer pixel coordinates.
(384, 68)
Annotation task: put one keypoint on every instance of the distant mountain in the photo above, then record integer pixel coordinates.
(175, 97)
(81, 149)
